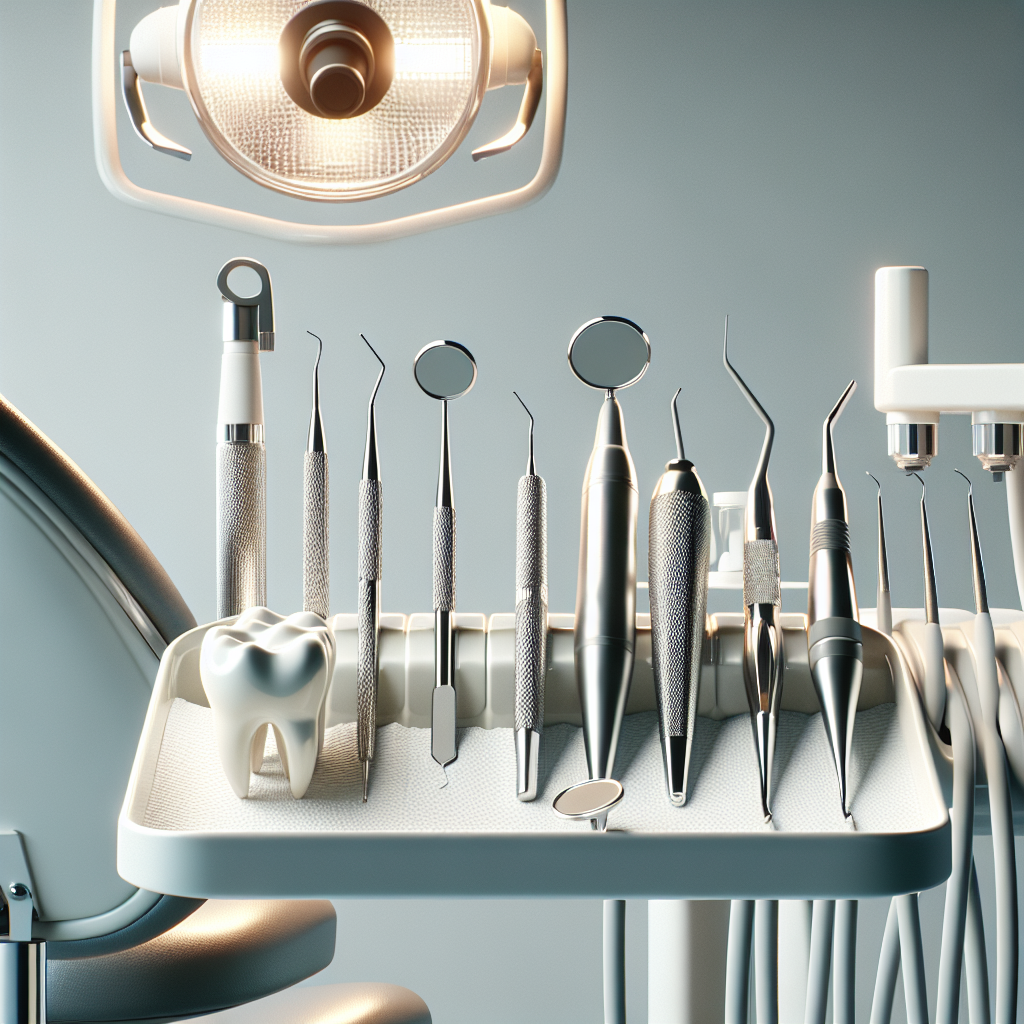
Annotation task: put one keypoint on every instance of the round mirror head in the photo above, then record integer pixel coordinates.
(444, 369)
(610, 352)
(591, 799)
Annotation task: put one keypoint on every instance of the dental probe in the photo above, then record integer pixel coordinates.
(316, 495)
(531, 621)
(934, 691)
(678, 562)
(883, 610)
(763, 657)
(835, 648)
(241, 453)
(994, 757)
(368, 597)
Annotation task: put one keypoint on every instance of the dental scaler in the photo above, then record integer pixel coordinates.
(883, 612)
(835, 647)
(934, 690)
(608, 354)
(763, 656)
(241, 453)
(368, 597)
(678, 563)
(531, 622)
(316, 492)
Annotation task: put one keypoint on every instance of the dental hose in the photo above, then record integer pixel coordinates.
(737, 961)
(823, 918)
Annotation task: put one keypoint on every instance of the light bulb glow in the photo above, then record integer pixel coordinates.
(232, 65)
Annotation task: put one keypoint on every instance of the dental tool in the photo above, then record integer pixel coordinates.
(241, 452)
(368, 597)
(984, 654)
(934, 689)
(763, 657)
(531, 621)
(608, 353)
(883, 609)
(678, 563)
(444, 370)
(316, 496)
(835, 647)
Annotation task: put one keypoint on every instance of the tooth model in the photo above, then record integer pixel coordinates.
(268, 670)
(835, 650)
(677, 573)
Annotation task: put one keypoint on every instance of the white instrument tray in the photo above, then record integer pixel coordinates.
(430, 833)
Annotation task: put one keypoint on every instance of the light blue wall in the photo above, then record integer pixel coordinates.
(756, 159)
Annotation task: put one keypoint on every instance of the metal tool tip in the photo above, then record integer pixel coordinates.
(366, 779)
(970, 483)
(873, 477)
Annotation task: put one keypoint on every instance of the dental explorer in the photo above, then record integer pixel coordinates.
(316, 496)
(608, 353)
(444, 370)
(997, 777)
(241, 452)
(835, 644)
(531, 621)
(934, 689)
(883, 610)
(678, 563)
(763, 656)
(368, 596)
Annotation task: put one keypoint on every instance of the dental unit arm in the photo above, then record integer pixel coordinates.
(913, 393)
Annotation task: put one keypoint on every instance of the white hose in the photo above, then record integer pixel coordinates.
(954, 921)
(766, 960)
(822, 921)
(737, 961)
(912, 956)
(975, 960)
(844, 978)
(614, 962)
(888, 969)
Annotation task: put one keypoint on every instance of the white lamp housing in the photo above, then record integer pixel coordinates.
(327, 101)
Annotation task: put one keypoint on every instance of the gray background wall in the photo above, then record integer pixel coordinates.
(756, 159)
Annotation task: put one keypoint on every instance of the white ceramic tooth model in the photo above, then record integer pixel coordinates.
(266, 669)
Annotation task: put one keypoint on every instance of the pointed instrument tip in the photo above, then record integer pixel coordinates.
(680, 453)
(366, 779)
(320, 348)
(531, 465)
(970, 482)
(875, 478)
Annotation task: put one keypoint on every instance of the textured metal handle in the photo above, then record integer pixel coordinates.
(678, 563)
(531, 602)
(761, 578)
(316, 565)
(444, 559)
(241, 526)
(368, 616)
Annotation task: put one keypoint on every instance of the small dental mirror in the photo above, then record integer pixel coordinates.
(609, 353)
(444, 370)
(592, 799)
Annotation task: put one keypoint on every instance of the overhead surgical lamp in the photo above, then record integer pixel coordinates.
(333, 100)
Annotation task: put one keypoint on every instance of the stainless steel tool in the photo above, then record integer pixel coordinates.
(763, 657)
(608, 353)
(368, 598)
(883, 611)
(679, 556)
(835, 647)
(241, 452)
(531, 621)
(316, 493)
(934, 689)
(444, 370)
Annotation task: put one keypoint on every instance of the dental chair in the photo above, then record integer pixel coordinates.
(86, 610)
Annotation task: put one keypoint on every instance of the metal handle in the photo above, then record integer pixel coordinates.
(527, 112)
(241, 527)
(316, 572)
(531, 602)
(368, 612)
(444, 559)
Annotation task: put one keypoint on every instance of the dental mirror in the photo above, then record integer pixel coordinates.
(609, 352)
(592, 799)
(444, 370)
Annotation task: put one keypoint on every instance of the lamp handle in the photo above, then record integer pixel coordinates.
(527, 112)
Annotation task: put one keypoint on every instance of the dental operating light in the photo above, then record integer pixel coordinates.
(331, 101)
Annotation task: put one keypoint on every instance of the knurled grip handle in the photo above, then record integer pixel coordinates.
(761, 579)
(679, 555)
(371, 506)
(531, 533)
(531, 602)
(316, 566)
(241, 526)
(366, 668)
(444, 559)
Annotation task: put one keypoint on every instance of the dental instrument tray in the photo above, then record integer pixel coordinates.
(429, 831)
